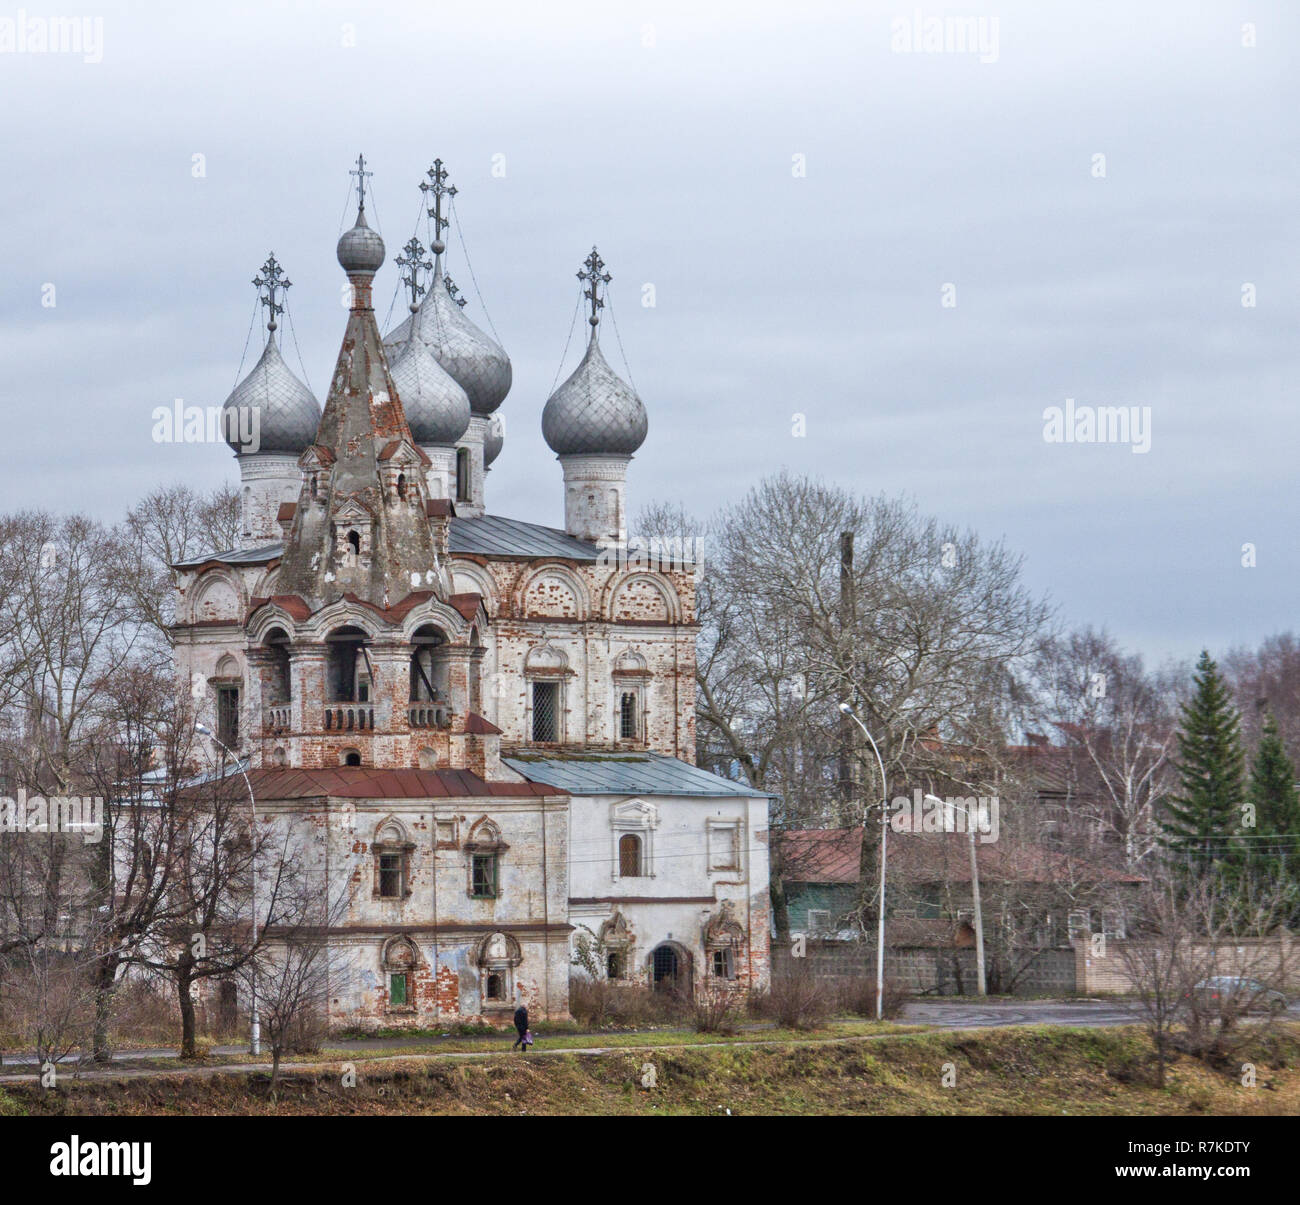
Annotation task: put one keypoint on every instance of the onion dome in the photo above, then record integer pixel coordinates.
(475, 361)
(594, 412)
(361, 249)
(437, 409)
(494, 438)
(287, 412)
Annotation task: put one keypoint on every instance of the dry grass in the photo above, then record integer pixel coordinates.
(1001, 1072)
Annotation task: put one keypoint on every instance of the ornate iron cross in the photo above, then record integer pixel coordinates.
(454, 291)
(412, 263)
(271, 281)
(438, 175)
(595, 273)
(361, 175)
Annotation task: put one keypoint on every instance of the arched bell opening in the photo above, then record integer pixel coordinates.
(348, 675)
(430, 665)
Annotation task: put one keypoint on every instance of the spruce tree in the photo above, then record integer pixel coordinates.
(1202, 816)
(1277, 807)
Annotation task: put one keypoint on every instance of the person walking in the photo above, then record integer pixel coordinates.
(521, 1027)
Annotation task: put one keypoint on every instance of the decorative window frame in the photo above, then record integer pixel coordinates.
(399, 956)
(498, 954)
(640, 818)
(484, 839)
(630, 676)
(385, 844)
(546, 663)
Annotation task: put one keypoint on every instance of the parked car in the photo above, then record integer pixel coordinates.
(1249, 995)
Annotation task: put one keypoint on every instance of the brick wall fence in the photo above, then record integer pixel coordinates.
(923, 970)
(1100, 971)
(1083, 970)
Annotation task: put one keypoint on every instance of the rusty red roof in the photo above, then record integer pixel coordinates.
(440, 508)
(478, 726)
(466, 604)
(366, 782)
(291, 603)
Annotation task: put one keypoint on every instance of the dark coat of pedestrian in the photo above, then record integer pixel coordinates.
(521, 1027)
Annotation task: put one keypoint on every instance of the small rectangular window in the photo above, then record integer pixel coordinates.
(390, 876)
(228, 715)
(546, 712)
(397, 991)
(483, 876)
(819, 921)
(723, 965)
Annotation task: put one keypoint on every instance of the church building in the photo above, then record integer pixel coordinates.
(481, 728)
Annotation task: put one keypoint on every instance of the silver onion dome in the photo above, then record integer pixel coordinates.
(287, 413)
(437, 409)
(476, 362)
(361, 249)
(494, 438)
(594, 412)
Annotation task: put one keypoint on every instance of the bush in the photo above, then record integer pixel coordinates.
(716, 1009)
(858, 996)
(600, 1004)
(798, 1000)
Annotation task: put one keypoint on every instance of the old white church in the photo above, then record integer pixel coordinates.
(482, 727)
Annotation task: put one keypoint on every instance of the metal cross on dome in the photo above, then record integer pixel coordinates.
(270, 280)
(361, 174)
(438, 175)
(413, 262)
(454, 290)
(596, 274)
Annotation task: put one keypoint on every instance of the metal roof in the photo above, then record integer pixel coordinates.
(488, 535)
(626, 774)
(491, 535)
(235, 556)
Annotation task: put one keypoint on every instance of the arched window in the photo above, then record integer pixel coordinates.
(277, 644)
(354, 542)
(401, 486)
(629, 856)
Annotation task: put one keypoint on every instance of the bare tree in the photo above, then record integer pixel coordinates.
(168, 525)
(1202, 958)
(297, 971)
(1119, 722)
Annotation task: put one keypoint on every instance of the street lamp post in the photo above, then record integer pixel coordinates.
(975, 889)
(255, 1023)
(884, 841)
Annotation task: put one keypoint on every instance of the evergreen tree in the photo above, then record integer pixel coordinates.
(1204, 814)
(1276, 805)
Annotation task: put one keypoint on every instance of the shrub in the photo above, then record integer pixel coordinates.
(858, 996)
(600, 1004)
(715, 1009)
(799, 1000)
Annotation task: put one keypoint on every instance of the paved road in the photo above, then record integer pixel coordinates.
(961, 1013)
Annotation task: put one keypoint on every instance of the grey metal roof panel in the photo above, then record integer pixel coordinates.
(235, 556)
(492, 535)
(626, 774)
(487, 535)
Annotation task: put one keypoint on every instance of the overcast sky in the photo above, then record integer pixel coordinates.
(669, 134)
